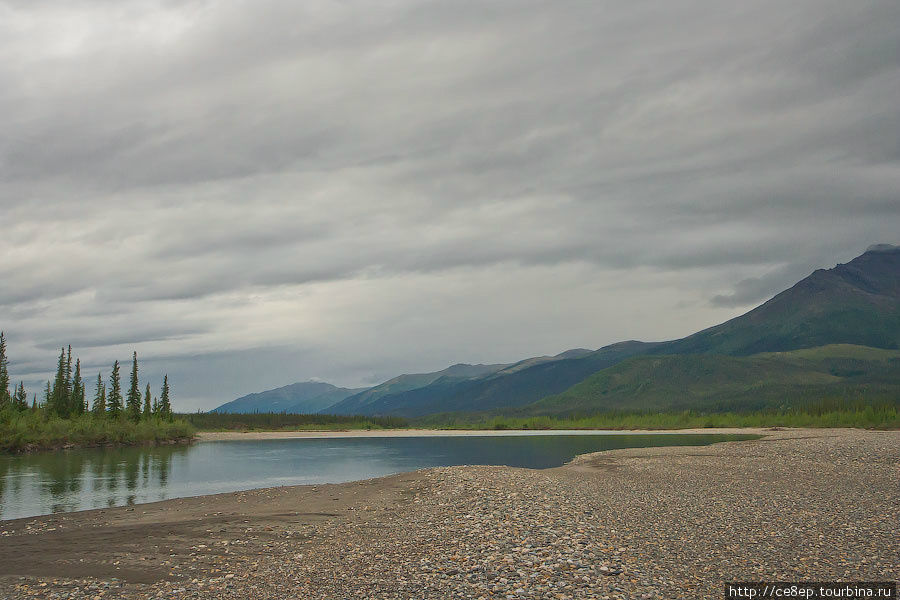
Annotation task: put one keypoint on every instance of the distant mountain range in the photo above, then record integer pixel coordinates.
(305, 397)
(362, 402)
(513, 385)
(751, 360)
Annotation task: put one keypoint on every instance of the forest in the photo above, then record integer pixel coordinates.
(63, 416)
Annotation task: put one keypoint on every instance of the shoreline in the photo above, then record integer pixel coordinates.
(216, 436)
(36, 449)
(653, 522)
(188, 489)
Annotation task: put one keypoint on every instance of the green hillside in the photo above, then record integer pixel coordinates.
(853, 303)
(720, 383)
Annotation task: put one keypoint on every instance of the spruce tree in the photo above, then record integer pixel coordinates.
(59, 402)
(114, 397)
(5, 399)
(134, 393)
(155, 408)
(78, 406)
(147, 409)
(99, 408)
(34, 403)
(20, 400)
(69, 379)
(48, 396)
(165, 403)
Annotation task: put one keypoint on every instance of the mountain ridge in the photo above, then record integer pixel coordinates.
(502, 391)
(300, 397)
(401, 383)
(856, 303)
(853, 303)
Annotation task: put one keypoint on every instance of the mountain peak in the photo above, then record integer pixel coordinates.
(853, 303)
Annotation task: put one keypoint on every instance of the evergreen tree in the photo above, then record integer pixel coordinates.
(155, 408)
(20, 400)
(34, 403)
(147, 409)
(114, 398)
(48, 396)
(134, 393)
(68, 379)
(99, 408)
(5, 399)
(78, 405)
(59, 401)
(165, 403)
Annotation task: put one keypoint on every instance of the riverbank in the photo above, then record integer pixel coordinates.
(35, 431)
(66, 445)
(673, 522)
(214, 436)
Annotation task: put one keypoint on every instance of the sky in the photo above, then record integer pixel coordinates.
(249, 194)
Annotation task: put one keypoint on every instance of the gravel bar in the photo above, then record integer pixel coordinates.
(671, 522)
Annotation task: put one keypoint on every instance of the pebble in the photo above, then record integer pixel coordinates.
(646, 523)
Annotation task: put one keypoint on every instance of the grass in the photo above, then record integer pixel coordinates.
(287, 422)
(868, 417)
(715, 383)
(36, 430)
(824, 413)
(838, 351)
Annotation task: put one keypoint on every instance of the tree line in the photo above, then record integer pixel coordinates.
(66, 398)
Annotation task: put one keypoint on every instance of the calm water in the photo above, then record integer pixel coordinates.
(39, 484)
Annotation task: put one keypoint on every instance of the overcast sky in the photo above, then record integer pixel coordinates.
(250, 194)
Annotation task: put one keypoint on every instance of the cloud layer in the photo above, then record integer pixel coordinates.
(251, 194)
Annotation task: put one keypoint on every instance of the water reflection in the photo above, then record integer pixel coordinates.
(44, 483)
(4, 480)
(97, 478)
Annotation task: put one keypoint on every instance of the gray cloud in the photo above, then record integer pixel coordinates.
(373, 191)
(754, 290)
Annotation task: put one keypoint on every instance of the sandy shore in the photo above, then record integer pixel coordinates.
(673, 522)
(214, 436)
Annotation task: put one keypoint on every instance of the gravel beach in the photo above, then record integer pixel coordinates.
(672, 522)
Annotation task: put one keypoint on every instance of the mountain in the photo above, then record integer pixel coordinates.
(853, 303)
(538, 360)
(857, 303)
(304, 397)
(515, 385)
(358, 403)
(718, 382)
